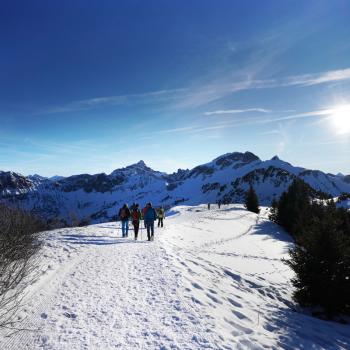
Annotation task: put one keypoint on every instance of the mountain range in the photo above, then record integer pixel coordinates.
(96, 198)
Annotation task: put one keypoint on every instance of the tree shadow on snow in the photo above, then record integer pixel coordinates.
(110, 227)
(223, 209)
(297, 330)
(87, 237)
(97, 240)
(274, 231)
(269, 228)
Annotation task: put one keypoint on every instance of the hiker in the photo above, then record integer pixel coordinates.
(136, 216)
(161, 216)
(124, 215)
(143, 215)
(150, 216)
(132, 207)
(208, 206)
(219, 204)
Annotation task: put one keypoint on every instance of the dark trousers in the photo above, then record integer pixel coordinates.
(150, 229)
(125, 227)
(160, 222)
(136, 225)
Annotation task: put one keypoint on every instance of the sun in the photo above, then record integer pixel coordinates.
(340, 119)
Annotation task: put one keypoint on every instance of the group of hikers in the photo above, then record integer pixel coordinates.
(218, 203)
(148, 214)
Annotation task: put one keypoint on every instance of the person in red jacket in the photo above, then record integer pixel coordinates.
(143, 215)
(136, 216)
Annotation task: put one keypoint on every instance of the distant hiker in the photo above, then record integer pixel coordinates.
(161, 216)
(136, 216)
(219, 204)
(208, 206)
(124, 215)
(150, 216)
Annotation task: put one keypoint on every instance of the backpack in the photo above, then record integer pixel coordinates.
(135, 215)
(150, 214)
(123, 213)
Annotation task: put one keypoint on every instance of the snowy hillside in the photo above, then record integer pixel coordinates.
(98, 197)
(210, 280)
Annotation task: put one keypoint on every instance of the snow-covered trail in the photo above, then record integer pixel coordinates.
(210, 280)
(110, 293)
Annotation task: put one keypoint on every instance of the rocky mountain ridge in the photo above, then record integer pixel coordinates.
(97, 197)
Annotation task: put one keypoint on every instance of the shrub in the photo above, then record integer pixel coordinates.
(19, 243)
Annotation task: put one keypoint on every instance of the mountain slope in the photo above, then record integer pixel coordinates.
(98, 197)
(210, 280)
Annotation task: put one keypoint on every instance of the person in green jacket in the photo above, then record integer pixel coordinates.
(161, 216)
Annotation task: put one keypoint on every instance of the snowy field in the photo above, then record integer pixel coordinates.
(210, 280)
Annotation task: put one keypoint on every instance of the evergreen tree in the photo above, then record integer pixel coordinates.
(322, 262)
(321, 255)
(251, 201)
(293, 208)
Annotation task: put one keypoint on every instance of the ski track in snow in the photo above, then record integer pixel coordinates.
(210, 280)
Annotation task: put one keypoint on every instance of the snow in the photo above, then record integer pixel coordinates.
(212, 279)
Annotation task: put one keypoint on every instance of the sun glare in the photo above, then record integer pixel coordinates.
(341, 119)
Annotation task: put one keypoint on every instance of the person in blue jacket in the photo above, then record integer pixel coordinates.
(150, 216)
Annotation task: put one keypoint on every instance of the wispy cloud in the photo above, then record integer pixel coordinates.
(260, 120)
(270, 132)
(319, 78)
(237, 111)
(92, 103)
(200, 95)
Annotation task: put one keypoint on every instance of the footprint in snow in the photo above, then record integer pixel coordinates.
(239, 315)
(70, 315)
(197, 286)
(215, 300)
(234, 303)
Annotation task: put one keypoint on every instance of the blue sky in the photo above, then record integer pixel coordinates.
(91, 86)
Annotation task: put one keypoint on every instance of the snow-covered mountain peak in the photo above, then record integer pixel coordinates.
(37, 178)
(56, 178)
(278, 163)
(141, 163)
(229, 159)
(10, 180)
(138, 169)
